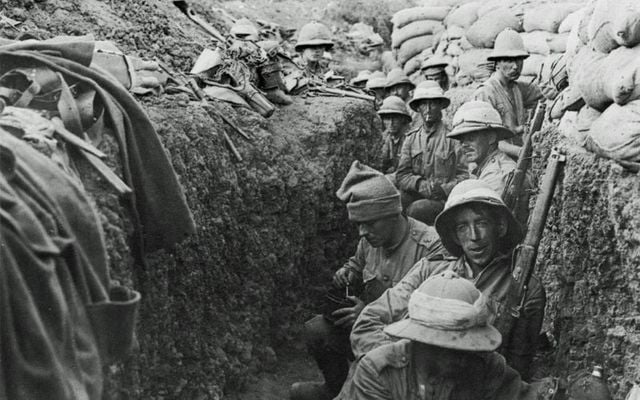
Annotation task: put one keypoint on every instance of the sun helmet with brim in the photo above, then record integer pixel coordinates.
(478, 116)
(475, 191)
(508, 44)
(394, 105)
(398, 77)
(428, 90)
(314, 34)
(450, 312)
(377, 80)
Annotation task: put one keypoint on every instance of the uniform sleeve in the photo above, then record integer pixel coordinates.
(502, 381)
(531, 93)
(481, 94)
(405, 178)
(462, 170)
(358, 260)
(524, 334)
(368, 383)
(367, 332)
(495, 177)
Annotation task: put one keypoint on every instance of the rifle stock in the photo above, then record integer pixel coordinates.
(513, 190)
(339, 92)
(526, 253)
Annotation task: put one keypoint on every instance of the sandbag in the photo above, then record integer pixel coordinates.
(575, 64)
(614, 78)
(616, 133)
(409, 15)
(454, 49)
(455, 32)
(536, 42)
(532, 65)
(463, 16)
(614, 23)
(558, 43)
(412, 47)
(570, 20)
(415, 29)
(483, 32)
(548, 17)
(488, 6)
(413, 64)
(470, 60)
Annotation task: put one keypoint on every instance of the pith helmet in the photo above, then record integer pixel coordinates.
(398, 77)
(314, 34)
(474, 191)
(394, 105)
(448, 311)
(509, 44)
(475, 116)
(377, 80)
(243, 28)
(363, 76)
(428, 90)
(434, 62)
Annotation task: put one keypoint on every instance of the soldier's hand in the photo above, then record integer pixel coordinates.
(343, 277)
(347, 316)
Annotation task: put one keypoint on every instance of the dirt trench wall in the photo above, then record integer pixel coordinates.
(590, 263)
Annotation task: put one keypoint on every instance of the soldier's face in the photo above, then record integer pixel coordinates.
(430, 110)
(403, 91)
(510, 67)
(313, 53)
(477, 145)
(394, 123)
(378, 232)
(436, 75)
(444, 362)
(478, 232)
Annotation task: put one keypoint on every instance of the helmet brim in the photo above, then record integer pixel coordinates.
(413, 103)
(501, 131)
(495, 55)
(313, 43)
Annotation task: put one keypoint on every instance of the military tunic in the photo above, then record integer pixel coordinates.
(430, 164)
(495, 170)
(494, 281)
(390, 373)
(391, 150)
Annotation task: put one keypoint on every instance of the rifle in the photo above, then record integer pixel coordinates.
(342, 93)
(525, 253)
(513, 190)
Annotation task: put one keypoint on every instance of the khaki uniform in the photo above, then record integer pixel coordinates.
(380, 269)
(389, 373)
(391, 151)
(431, 157)
(495, 170)
(509, 102)
(494, 281)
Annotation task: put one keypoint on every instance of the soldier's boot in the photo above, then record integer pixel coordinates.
(272, 83)
(310, 391)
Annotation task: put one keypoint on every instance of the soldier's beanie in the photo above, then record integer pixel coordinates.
(369, 194)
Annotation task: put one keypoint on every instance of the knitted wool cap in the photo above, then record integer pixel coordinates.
(369, 194)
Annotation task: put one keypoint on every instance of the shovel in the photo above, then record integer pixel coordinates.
(186, 10)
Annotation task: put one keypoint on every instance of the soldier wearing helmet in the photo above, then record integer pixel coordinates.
(478, 229)
(396, 119)
(434, 69)
(313, 41)
(376, 83)
(445, 349)
(390, 245)
(398, 84)
(430, 163)
(504, 92)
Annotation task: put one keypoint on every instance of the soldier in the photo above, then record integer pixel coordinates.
(313, 41)
(430, 163)
(504, 92)
(390, 245)
(376, 83)
(433, 69)
(360, 81)
(446, 350)
(398, 84)
(480, 232)
(396, 119)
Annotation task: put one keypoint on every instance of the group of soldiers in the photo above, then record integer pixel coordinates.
(425, 312)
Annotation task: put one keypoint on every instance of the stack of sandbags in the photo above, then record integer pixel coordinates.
(415, 30)
(483, 32)
(542, 35)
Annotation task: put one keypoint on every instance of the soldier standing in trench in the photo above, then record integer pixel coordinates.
(478, 229)
(396, 119)
(433, 69)
(390, 245)
(314, 39)
(430, 163)
(504, 92)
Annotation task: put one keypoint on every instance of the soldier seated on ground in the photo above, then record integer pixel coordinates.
(399, 84)
(376, 83)
(390, 245)
(445, 350)
(481, 233)
(313, 41)
(430, 163)
(478, 127)
(396, 120)
(433, 69)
